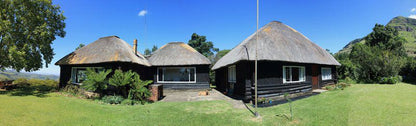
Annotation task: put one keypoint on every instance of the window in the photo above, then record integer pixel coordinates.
(231, 74)
(293, 74)
(78, 74)
(326, 73)
(176, 75)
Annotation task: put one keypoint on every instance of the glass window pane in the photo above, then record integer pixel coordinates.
(302, 74)
(160, 74)
(80, 75)
(176, 74)
(287, 71)
(295, 74)
(192, 74)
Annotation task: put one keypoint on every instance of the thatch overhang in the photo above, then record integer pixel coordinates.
(277, 42)
(177, 53)
(104, 50)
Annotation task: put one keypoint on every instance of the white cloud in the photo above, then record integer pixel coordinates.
(413, 10)
(142, 12)
(412, 16)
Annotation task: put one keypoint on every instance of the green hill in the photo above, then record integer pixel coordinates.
(11, 75)
(407, 30)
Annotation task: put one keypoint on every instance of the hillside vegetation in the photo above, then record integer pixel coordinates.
(13, 75)
(407, 30)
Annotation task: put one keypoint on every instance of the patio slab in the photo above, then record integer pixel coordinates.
(172, 95)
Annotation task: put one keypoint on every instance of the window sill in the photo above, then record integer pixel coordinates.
(175, 82)
(293, 82)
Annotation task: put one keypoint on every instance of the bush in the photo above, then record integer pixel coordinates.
(112, 99)
(329, 88)
(390, 80)
(96, 81)
(121, 80)
(21, 82)
(36, 84)
(341, 86)
(72, 89)
(138, 90)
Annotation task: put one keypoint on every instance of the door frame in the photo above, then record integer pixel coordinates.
(315, 76)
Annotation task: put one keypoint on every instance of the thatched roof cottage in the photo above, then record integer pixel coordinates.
(178, 65)
(287, 62)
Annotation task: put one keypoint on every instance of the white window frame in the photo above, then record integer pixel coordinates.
(301, 69)
(163, 76)
(73, 74)
(232, 74)
(322, 73)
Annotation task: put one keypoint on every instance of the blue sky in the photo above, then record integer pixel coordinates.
(329, 23)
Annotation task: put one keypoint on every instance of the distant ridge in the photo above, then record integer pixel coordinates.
(12, 75)
(407, 30)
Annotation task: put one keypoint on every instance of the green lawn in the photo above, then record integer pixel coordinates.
(362, 104)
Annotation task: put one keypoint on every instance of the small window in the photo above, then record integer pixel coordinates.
(231, 74)
(79, 73)
(176, 75)
(293, 74)
(326, 73)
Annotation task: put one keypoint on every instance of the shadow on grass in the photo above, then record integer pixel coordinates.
(38, 91)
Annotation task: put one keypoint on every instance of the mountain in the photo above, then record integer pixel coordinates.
(11, 75)
(407, 30)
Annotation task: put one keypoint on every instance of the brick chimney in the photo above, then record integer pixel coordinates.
(135, 46)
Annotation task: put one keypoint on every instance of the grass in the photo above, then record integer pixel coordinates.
(360, 104)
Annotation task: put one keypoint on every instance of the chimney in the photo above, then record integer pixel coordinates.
(135, 46)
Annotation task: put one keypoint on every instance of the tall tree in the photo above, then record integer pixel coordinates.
(154, 48)
(220, 54)
(147, 52)
(79, 46)
(27, 29)
(382, 55)
(201, 44)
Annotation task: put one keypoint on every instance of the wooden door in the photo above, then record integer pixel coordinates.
(315, 75)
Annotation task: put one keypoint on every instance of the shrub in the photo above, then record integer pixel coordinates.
(121, 80)
(138, 90)
(390, 80)
(112, 99)
(329, 88)
(21, 82)
(72, 89)
(96, 81)
(341, 86)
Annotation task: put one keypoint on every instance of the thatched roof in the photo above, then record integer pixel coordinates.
(277, 42)
(105, 49)
(177, 53)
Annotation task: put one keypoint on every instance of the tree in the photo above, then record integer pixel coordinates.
(382, 55)
(79, 46)
(147, 52)
(220, 54)
(329, 51)
(27, 29)
(200, 44)
(154, 48)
